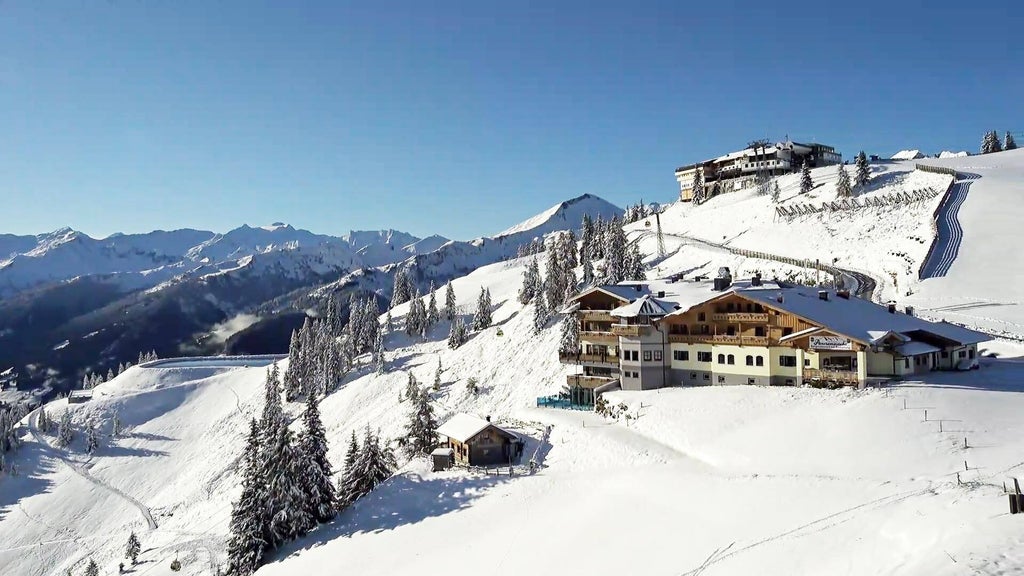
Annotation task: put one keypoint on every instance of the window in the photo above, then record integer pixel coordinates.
(707, 376)
(787, 331)
(788, 361)
(721, 379)
(732, 359)
(701, 317)
(906, 363)
(681, 355)
(647, 355)
(730, 330)
(693, 375)
(760, 361)
(703, 356)
(657, 355)
(807, 362)
(750, 360)
(961, 354)
(705, 329)
(721, 358)
(970, 353)
(759, 331)
(751, 381)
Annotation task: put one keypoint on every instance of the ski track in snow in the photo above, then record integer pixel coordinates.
(950, 233)
(84, 473)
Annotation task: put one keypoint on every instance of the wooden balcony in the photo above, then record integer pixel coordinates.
(718, 339)
(606, 337)
(595, 316)
(848, 377)
(595, 359)
(631, 331)
(587, 381)
(752, 317)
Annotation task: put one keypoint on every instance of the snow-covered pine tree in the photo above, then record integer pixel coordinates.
(65, 433)
(92, 440)
(586, 238)
(432, 313)
(115, 425)
(132, 549)
(570, 256)
(421, 430)
(997, 146)
(273, 414)
(388, 322)
(355, 320)
(588, 267)
(775, 191)
(249, 523)
(412, 387)
(455, 334)
(400, 293)
(371, 323)
(634, 265)
(596, 247)
(449, 302)
(570, 342)
(615, 253)
(863, 173)
(120, 368)
(806, 183)
(554, 279)
(437, 376)
(540, 313)
(374, 464)
(347, 482)
(332, 366)
(482, 317)
(1008, 142)
(288, 514)
(699, 192)
(531, 282)
(843, 188)
(110, 375)
(316, 469)
(43, 421)
(292, 376)
(92, 569)
(378, 354)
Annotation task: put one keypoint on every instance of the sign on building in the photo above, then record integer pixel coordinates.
(830, 343)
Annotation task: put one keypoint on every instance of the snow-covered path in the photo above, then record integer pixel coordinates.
(950, 234)
(84, 472)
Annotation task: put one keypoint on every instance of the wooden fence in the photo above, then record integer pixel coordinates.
(894, 199)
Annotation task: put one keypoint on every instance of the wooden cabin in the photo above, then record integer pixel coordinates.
(475, 441)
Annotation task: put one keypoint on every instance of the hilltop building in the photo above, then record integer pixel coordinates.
(738, 170)
(644, 335)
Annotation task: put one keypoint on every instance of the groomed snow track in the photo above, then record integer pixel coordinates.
(949, 233)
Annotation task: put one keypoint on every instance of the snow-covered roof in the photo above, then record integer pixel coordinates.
(80, 394)
(915, 349)
(462, 427)
(907, 155)
(442, 451)
(877, 336)
(642, 306)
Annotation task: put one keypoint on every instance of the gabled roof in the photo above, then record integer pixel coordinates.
(462, 427)
(642, 306)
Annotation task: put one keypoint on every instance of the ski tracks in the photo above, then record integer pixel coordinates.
(950, 233)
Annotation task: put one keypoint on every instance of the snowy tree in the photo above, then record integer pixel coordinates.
(421, 430)
(457, 334)
(293, 375)
(570, 256)
(776, 191)
(388, 321)
(356, 322)
(378, 354)
(110, 375)
(400, 293)
(371, 324)
(115, 425)
(482, 317)
(273, 414)
(432, 314)
(247, 541)
(1009, 143)
(588, 267)
(554, 281)
(285, 503)
(863, 173)
(586, 239)
(449, 302)
(615, 254)
(412, 387)
(133, 548)
(843, 189)
(996, 144)
(531, 282)
(315, 469)
(540, 314)
(437, 376)
(43, 421)
(699, 192)
(416, 318)
(121, 368)
(634, 264)
(92, 569)
(65, 434)
(570, 342)
(347, 483)
(373, 464)
(990, 143)
(806, 183)
(92, 440)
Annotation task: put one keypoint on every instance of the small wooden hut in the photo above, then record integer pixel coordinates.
(475, 441)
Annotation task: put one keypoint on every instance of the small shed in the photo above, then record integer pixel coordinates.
(79, 396)
(443, 458)
(475, 441)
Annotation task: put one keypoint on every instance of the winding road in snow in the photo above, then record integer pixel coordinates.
(84, 473)
(949, 233)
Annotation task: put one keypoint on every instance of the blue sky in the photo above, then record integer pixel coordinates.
(459, 118)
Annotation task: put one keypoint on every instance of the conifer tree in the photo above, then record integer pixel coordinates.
(596, 247)
(273, 414)
(615, 254)
(482, 317)
(378, 354)
(554, 280)
(400, 294)
(65, 434)
(540, 314)
(371, 323)
(388, 321)
(288, 514)
(292, 376)
(699, 192)
(110, 375)
(569, 250)
(121, 368)
(347, 484)
(437, 376)
(92, 569)
(115, 425)
(775, 191)
(588, 268)
(374, 464)
(457, 334)
(843, 189)
(43, 421)
(1009, 143)
(806, 183)
(133, 548)
(531, 282)
(356, 323)
(586, 239)
(863, 173)
(92, 440)
(432, 314)
(412, 388)
(315, 469)
(570, 342)
(249, 522)
(634, 265)
(449, 302)
(421, 430)
(996, 145)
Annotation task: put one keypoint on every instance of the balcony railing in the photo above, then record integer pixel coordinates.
(718, 339)
(630, 330)
(596, 316)
(843, 376)
(587, 381)
(740, 317)
(599, 359)
(593, 336)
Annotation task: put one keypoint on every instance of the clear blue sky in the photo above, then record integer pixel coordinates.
(459, 117)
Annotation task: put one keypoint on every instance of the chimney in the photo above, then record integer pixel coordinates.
(844, 294)
(909, 310)
(892, 307)
(756, 280)
(823, 295)
(488, 417)
(661, 293)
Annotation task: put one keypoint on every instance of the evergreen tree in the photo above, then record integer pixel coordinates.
(698, 186)
(412, 387)
(371, 324)
(43, 421)
(996, 145)
(110, 375)
(92, 440)
(531, 282)
(863, 173)
(121, 368)
(378, 354)
(292, 376)
(437, 376)
(432, 314)
(775, 191)
(273, 414)
(115, 425)
(1009, 143)
(388, 321)
(374, 464)
(843, 189)
(133, 548)
(400, 293)
(596, 247)
(92, 569)
(570, 342)
(288, 514)
(586, 239)
(421, 430)
(615, 254)
(806, 183)
(356, 323)
(247, 543)
(347, 483)
(449, 302)
(457, 334)
(634, 265)
(554, 280)
(569, 250)
(65, 434)
(315, 469)
(588, 267)
(482, 317)
(540, 314)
